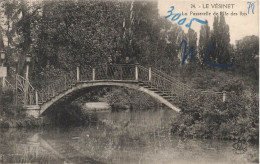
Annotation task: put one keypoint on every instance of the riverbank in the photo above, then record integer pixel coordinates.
(26, 122)
(12, 115)
(237, 118)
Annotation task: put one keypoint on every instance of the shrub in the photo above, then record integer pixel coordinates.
(206, 117)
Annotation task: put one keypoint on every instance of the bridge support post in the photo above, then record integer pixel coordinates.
(150, 74)
(106, 70)
(65, 82)
(78, 78)
(27, 72)
(3, 82)
(136, 72)
(16, 90)
(26, 85)
(93, 73)
(224, 96)
(36, 98)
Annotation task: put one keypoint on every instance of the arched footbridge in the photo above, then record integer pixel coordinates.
(67, 87)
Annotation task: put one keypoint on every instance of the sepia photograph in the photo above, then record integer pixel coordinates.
(129, 82)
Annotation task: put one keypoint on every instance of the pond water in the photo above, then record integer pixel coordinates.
(127, 137)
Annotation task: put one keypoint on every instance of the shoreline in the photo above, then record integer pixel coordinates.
(32, 123)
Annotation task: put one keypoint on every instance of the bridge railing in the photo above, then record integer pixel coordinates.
(115, 72)
(85, 73)
(143, 74)
(108, 72)
(173, 80)
(6, 85)
(167, 86)
(189, 91)
(27, 91)
(177, 91)
(59, 85)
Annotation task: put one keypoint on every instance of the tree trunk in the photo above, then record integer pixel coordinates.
(26, 31)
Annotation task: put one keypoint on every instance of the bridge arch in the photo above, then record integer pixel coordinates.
(151, 81)
(84, 85)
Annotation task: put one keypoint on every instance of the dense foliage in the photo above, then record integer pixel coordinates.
(237, 118)
(64, 34)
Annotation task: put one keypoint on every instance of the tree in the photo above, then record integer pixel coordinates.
(204, 42)
(220, 37)
(224, 42)
(9, 13)
(213, 37)
(189, 48)
(247, 54)
(171, 36)
(16, 30)
(60, 35)
(192, 41)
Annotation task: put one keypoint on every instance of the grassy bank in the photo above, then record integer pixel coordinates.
(235, 119)
(12, 115)
(27, 122)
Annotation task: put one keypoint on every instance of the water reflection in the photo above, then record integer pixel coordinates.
(122, 137)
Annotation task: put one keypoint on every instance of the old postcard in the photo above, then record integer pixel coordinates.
(129, 81)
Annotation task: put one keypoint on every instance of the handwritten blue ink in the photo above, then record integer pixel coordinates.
(176, 16)
(186, 55)
(214, 64)
(251, 5)
(170, 11)
(191, 53)
(182, 21)
(197, 20)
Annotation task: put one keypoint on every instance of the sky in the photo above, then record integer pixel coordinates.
(240, 26)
